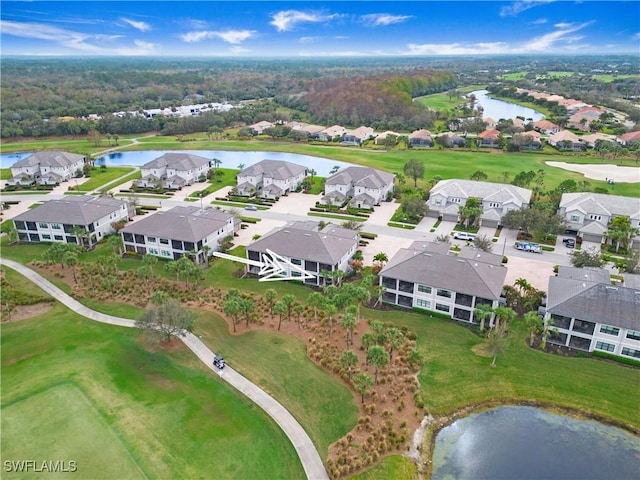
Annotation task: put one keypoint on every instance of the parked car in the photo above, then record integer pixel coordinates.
(251, 207)
(219, 362)
(569, 242)
(464, 236)
(528, 247)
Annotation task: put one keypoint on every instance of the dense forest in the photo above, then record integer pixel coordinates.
(42, 97)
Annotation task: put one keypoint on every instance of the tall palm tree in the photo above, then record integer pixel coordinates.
(504, 313)
(484, 311)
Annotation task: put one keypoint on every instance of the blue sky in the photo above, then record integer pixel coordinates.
(318, 28)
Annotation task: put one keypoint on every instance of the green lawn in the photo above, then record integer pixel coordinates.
(608, 78)
(225, 178)
(454, 376)
(100, 177)
(278, 363)
(107, 398)
(394, 467)
(5, 173)
(80, 145)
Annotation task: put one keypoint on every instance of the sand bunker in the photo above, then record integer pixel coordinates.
(602, 172)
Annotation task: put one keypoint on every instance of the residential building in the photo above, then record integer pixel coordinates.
(357, 136)
(489, 139)
(546, 127)
(46, 168)
(451, 140)
(305, 245)
(365, 186)
(174, 171)
(426, 276)
(387, 138)
(61, 220)
(258, 128)
(628, 138)
(589, 214)
(420, 138)
(588, 313)
(566, 140)
(591, 140)
(270, 178)
(180, 231)
(530, 140)
(447, 196)
(330, 133)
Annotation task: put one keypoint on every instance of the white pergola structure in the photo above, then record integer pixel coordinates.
(274, 267)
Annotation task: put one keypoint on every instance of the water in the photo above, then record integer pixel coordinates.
(497, 109)
(322, 166)
(529, 443)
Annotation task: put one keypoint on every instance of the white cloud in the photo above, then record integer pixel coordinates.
(286, 20)
(547, 42)
(540, 21)
(636, 36)
(309, 39)
(562, 39)
(78, 42)
(516, 8)
(142, 26)
(230, 36)
(383, 19)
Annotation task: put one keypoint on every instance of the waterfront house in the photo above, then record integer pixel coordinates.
(365, 186)
(174, 171)
(270, 178)
(46, 168)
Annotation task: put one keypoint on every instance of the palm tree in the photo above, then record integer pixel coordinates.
(395, 339)
(315, 300)
(270, 297)
(362, 382)
(117, 243)
(497, 341)
(81, 234)
(280, 309)
(381, 257)
(378, 357)
(504, 313)
(289, 300)
(534, 324)
(348, 360)
(232, 308)
(348, 321)
(71, 259)
(484, 311)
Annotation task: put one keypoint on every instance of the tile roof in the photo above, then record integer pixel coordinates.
(72, 210)
(470, 276)
(49, 159)
(190, 223)
(470, 188)
(276, 169)
(303, 240)
(177, 161)
(600, 203)
(361, 176)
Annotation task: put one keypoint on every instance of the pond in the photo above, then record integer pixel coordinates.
(514, 442)
(497, 109)
(229, 159)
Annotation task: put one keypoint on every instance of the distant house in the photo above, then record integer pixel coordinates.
(450, 140)
(258, 128)
(588, 313)
(310, 248)
(330, 133)
(628, 138)
(365, 186)
(566, 140)
(447, 196)
(357, 136)
(174, 171)
(384, 137)
(46, 168)
(591, 140)
(425, 276)
(60, 220)
(489, 139)
(310, 130)
(177, 232)
(546, 127)
(590, 214)
(420, 138)
(531, 140)
(270, 178)
(489, 122)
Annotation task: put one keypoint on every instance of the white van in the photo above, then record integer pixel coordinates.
(464, 236)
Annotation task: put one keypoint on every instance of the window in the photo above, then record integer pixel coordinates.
(583, 326)
(609, 330)
(46, 237)
(438, 201)
(43, 225)
(295, 273)
(595, 217)
(443, 293)
(58, 237)
(56, 226)
(631, 352)
(296, 261)
(153, 251)
(633, 335)
(442, 308)
(575, 218)
(164, 241)
(423, 303)
(424, 289)
(151, 239)
(607, 347)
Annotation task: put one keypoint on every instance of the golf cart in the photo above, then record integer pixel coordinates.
(218, 361)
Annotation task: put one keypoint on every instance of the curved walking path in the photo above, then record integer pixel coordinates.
(307, 452)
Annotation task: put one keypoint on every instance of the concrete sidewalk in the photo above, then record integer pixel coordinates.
(309, 457)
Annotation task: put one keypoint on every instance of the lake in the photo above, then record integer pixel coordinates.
(229, 159)
(514, 442)
(497, 109)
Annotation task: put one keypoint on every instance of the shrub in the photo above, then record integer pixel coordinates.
(616, 358)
